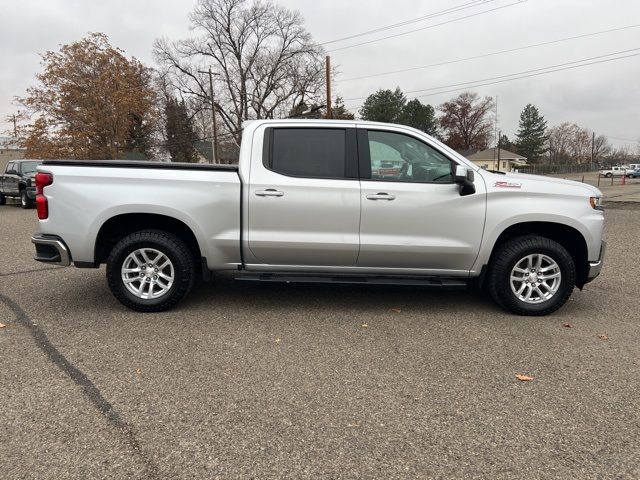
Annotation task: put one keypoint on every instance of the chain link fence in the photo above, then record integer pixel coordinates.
(542, 169)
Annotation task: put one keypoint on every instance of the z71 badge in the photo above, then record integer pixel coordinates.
(507, 185)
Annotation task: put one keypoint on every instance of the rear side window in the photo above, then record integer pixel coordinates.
(308, 152)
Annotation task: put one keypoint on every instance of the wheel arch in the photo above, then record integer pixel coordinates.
(124, 224)
(570, 238)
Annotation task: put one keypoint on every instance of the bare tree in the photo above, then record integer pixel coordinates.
(264, 60)
(601, 147)
(570, 143)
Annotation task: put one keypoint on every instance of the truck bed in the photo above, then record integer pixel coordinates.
(86, 195)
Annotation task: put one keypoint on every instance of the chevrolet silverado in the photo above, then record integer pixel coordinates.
(323, 200)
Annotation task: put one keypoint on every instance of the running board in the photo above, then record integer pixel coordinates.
(436, 282)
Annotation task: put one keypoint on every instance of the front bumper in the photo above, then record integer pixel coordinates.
(51, 249)
(596, 267)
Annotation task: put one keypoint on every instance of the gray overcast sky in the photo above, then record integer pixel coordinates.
(604, 97)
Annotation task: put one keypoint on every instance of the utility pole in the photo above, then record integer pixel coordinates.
(499, 135)
(15, 126)
(328, 82)
(495, 132)
(593, 146)
(214, 139)
(213, 119)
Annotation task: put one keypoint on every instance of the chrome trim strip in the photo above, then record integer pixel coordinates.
(57, 243)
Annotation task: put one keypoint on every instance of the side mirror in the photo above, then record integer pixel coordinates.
(464, 177)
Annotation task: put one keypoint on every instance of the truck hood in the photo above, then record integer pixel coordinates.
(532, 180)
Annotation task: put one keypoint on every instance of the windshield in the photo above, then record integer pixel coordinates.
(29, 167)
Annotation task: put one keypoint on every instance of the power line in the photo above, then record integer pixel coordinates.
(523, 76)
(623, 139)
(514, 74)
(492, 53)
(446, 11)
(427, 27)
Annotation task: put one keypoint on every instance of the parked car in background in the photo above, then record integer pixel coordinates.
(18, 180)
(323, 201)
(634, 166)
(617, 172)
(636, 173)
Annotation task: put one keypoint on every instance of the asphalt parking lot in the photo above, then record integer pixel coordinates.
(293, 381)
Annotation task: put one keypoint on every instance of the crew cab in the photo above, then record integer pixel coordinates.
(323, 201)
(617, 172)
(18, 181)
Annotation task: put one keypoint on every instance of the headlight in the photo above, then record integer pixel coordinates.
(596, 203)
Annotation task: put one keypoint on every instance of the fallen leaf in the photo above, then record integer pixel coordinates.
(396, 310)
(277, 340)
(567, 325)
(138, 371)
(524, 378)
(365, 325)
(2, 325)
(603, 336)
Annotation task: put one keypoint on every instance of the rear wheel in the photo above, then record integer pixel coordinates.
(608, 175)
(150, 270)
(531, 275)
(25, 201)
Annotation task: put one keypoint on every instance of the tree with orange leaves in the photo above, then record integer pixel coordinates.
(91, 102)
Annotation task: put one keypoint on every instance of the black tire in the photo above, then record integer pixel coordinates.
(25, 201)
(3, 199)
(506, 257)
(172, 247)
(608, 175)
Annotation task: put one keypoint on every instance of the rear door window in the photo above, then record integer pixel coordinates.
(308, 152)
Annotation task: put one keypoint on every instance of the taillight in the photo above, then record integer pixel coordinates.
(42, 180)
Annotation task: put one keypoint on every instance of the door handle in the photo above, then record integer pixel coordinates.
(269, 192)
(380, 196)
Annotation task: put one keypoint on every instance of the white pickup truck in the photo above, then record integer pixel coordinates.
(323, 200)
(617, 172)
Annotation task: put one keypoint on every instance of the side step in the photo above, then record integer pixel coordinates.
(437, 282)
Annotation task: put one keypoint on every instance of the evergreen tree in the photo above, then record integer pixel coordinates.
(181, 136)
(418, 115)
(138, 141)
(506, 144)
(384, 106)
(531, 141)
(340, 112)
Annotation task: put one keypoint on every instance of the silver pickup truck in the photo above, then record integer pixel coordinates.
(323, 200)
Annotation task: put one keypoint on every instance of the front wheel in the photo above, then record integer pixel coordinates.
(608, 175)
(531, 275)
(3, 199)
(150, 270)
